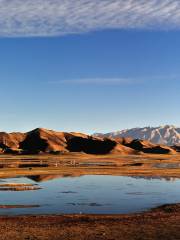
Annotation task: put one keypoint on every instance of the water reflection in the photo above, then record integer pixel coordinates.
(44, 178)
(88, 194)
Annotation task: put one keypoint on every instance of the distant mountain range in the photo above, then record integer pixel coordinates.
(168, 135)
(42, 140)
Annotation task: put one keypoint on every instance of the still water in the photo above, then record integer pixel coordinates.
(89, 194)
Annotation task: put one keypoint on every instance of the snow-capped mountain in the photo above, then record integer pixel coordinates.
(168, 135)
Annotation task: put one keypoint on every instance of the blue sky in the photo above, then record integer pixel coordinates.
(100, 80)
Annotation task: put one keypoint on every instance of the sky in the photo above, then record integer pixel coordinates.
(89, 66)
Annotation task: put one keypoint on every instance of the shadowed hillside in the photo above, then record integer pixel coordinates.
(48, 141)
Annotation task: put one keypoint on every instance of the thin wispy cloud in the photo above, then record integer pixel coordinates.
(97, 81)
(24, 18)
(117, 81)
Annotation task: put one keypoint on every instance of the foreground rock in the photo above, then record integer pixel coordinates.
(48, 141)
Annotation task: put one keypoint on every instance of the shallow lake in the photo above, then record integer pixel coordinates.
(88, 194)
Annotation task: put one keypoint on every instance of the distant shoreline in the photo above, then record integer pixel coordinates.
(79, 164)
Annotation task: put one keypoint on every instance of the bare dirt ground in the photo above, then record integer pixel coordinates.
(160, 224)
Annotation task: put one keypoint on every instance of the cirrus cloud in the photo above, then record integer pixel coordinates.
(25, 18)
(97, 81)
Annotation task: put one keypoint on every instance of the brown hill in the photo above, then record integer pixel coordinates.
(123, 140)
(148, 147)
(43, 140)
(48, 141)
(10, 141)
(93, 145)
(176, 148)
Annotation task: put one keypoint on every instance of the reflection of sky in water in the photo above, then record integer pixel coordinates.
(92, 194)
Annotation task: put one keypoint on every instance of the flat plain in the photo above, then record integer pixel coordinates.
(77, 164)
(159, 223)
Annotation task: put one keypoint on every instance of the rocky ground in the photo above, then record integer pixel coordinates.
(161, 224)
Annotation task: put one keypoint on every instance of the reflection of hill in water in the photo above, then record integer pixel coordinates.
(44, 178)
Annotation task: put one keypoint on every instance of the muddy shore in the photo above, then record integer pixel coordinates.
(161, 223)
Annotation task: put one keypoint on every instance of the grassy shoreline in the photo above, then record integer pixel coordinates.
(147, 165)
